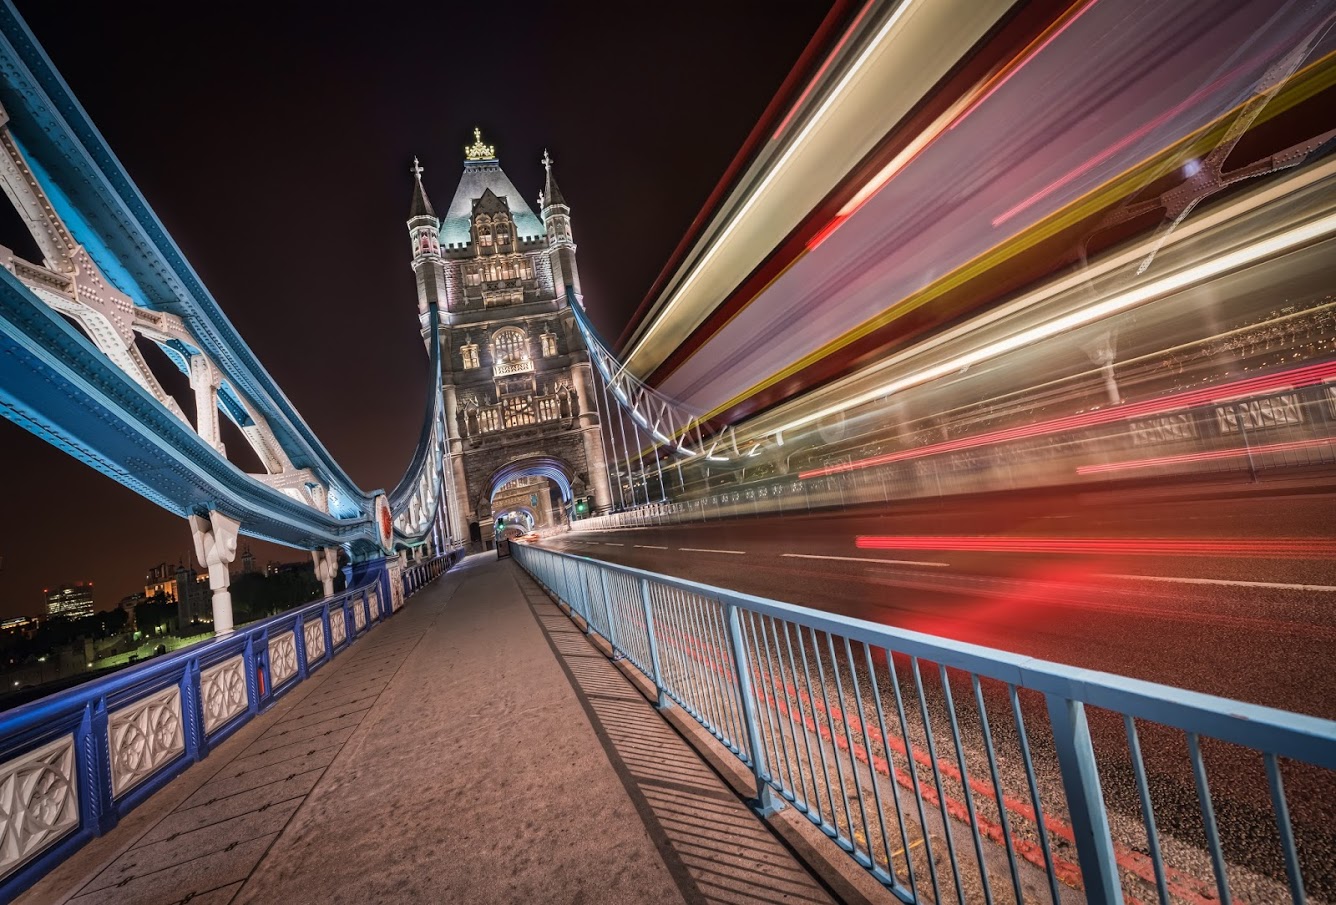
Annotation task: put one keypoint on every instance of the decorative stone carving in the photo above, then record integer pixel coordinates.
(373, 603)
(144, 736)
(223, 692)
(215, 548)
(282, 658)
(359, 616)
(39, 802)
(326, 561)
(313, 631)
(396, 570)
(338, 626)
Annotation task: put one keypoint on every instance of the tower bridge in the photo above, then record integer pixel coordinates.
(951, 524)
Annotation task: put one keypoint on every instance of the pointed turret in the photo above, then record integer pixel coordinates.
(421, 205)
(424, 231)
(556, 216)
(551, 191)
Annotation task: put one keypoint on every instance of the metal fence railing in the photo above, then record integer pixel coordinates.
(73, 763)
(957, 773)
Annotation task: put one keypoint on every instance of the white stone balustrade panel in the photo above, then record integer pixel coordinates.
(314, 633)
(39, 802)
(359, 615)
(338, 626)
(144, 736)
(396, 586)
(223, 690)
(282, 658)
(373, 602)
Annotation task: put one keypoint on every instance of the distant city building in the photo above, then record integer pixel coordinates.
(128, 604)
(247, 561)
(184, 586)
(70, 602)
(21, 625)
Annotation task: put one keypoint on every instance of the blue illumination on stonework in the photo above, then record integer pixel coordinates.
(83, 233)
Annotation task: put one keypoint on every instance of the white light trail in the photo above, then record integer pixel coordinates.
(1234, 260)
(775, 169)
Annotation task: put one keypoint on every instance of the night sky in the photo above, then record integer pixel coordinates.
(274, 140)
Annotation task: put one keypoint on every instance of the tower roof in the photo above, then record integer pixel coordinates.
(551, 191)
(421, 204)
(482, 171)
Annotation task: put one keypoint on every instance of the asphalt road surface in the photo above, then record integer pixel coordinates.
(1250, 615)
(1227, 590)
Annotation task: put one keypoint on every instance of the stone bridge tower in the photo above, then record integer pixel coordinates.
(520, 397)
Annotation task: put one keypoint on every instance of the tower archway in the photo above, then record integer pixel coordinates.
(556, 470)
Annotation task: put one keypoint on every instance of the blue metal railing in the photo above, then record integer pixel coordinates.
(977, 786)
(72, 764)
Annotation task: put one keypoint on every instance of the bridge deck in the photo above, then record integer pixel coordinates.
(476, 748)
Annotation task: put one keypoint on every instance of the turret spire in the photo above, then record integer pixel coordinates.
(421, 205)
(551, 193)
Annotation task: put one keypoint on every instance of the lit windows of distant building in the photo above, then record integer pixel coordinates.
(70, 602)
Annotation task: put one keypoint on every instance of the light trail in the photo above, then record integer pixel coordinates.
(868, 559)
(799, 140)
(1226, 582)
(1284, 548)
(1186, 458)
(1299, 377)
(1250, 254)
(951, 118)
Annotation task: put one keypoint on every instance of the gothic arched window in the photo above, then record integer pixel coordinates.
(502, 231)
(484, 228)
(509, 344)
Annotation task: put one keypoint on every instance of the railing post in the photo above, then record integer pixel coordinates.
(664, 702)
(583, 585)
(765, 802)
(607, 611)
(1085, 800)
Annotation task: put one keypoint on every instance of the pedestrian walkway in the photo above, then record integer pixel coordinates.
(476, 748)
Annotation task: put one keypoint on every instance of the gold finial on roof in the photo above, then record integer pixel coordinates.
(478, 150)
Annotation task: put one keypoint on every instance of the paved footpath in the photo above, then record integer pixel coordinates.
(475, 749)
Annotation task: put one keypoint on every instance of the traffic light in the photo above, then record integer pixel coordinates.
(582, 506)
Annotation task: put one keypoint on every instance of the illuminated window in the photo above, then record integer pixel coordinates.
(502, 232)
(472, 275)
(469, 353)
(549, 344)
(526, 269)
(484, 229)
(510, 344)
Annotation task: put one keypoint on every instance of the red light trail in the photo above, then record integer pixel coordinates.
(1202, 456)
(1298, 377)
(1270, 548)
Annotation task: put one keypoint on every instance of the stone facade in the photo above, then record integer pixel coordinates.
(518, 384)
